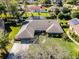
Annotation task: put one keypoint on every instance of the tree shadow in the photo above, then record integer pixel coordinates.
(27, 41)
(10, 56)
(4, 55)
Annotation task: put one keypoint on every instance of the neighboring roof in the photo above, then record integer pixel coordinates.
(76, 28)
(36, 7)
(28, 30)
(74, 21)
(36, 18)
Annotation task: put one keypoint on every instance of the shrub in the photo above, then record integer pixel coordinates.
(64, 16)
(71, 1)
(67, 16)
(65, 10)
(60, 15)
(75, 14)
(56, 11)
(53, 16)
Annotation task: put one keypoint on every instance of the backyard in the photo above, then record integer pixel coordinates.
(47, 43)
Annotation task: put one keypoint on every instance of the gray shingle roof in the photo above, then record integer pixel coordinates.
(28, 30)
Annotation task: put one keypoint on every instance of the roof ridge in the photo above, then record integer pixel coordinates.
(49, 27)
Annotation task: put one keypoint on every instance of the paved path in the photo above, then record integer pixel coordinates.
(72, 38)
(18, 51)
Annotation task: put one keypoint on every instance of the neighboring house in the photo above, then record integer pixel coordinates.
(31, 1)
(37, 9)
(74, 26)
(29, 29)
(57, 2)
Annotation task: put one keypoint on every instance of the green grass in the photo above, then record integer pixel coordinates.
(69, 46)
(66, 29)
(63, 21)
(27, 14)
(13, 33)
(8, 47)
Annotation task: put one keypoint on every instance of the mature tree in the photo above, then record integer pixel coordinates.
(41, 1)
(2, 9)
(56, 11)
(3, 42)
(65, 10)
(60, 15)
(64, 16)
(44, 2)
(47, 2)
(71, 1)
(13, 9)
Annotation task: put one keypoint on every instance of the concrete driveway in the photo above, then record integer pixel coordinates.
(18, 51)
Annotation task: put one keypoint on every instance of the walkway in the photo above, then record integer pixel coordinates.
(72, 38)
(18, 51)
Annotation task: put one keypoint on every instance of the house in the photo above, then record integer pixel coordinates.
(74, 26)
(34, 8)
(29, 29)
